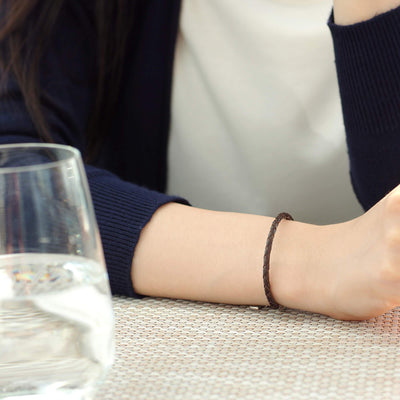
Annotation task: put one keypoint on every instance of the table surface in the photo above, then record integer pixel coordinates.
(169, 349)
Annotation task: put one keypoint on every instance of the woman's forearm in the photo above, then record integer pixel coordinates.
(349, 270)
(190, 253)
(196, 254)
(348, 12)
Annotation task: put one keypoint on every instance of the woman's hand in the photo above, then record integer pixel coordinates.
(370, 267)
(348, 12)
(353, 269)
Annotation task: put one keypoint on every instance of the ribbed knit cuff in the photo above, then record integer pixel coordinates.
(368, 67)
(122, 210)
(367, 59)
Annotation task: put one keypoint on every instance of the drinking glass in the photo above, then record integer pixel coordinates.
(56, 321)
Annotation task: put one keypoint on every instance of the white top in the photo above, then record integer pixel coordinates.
(256, 118)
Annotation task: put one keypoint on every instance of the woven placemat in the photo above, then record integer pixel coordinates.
(168, 349)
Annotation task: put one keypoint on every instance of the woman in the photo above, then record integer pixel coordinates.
(107, 92)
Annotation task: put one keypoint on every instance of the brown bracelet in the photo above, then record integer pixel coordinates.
(267, 256)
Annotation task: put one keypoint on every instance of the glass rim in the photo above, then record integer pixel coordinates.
(75, 154)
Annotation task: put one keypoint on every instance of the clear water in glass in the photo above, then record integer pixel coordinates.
(56, 321)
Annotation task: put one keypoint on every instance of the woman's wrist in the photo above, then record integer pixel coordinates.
(299, 255)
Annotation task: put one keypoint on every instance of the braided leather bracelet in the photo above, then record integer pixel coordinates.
(267, 256)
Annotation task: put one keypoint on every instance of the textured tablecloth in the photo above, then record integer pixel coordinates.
(168, 349)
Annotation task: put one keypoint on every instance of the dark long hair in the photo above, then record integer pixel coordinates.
(25, 31)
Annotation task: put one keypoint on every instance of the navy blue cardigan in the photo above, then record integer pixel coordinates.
(128, 180)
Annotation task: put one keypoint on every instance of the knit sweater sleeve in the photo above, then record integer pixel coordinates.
(122, 208)
(368, 67)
